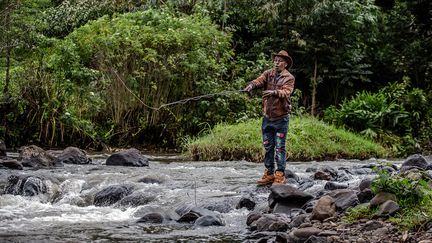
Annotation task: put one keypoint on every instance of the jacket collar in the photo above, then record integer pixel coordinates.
(284, 73)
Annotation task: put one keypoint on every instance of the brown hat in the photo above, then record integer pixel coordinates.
(284, 55)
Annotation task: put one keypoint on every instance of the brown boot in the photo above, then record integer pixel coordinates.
(279, 178)
(266, 179)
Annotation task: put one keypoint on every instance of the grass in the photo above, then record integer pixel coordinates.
(308, 139)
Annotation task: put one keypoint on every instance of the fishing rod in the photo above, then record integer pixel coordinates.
(183, 101)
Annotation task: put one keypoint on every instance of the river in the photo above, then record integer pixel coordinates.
(66, 212)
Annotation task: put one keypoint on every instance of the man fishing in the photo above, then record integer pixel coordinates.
(278, 84)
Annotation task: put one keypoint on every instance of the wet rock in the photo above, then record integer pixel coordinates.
(246, 202)
(252, 217)
(33, 156)
(365, 184)
(289, 174)
(288, 194)
(155, 218)
(333, 186)
(111, 195)
(11, 164)
(321, 175)
(416, 160)
(344, 198)
(209, 220)
(221, 207)
(305, 184)
(272, 222)
(130, 157)
(149, 180)
(382, 197)
(325, 208)
(25, 185)
(137, 198)
(73, 155)
(191, 214)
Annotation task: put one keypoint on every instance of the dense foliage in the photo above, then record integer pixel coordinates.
(85, 72)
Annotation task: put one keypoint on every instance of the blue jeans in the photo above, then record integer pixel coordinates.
(274, 136)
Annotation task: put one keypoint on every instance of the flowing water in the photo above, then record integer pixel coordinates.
(66, 212)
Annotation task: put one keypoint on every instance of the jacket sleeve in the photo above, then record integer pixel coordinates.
(259, 82)
(287, 88)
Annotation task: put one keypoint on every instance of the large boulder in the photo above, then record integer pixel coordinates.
(112, 194)
(25, 185)
(415, 160)
(11, 164)
(324, 208)
(130, 157)
(287, 195)
(36, 157)
(73, 155)
(344, 199)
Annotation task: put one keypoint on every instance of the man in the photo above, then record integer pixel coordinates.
(278, 84)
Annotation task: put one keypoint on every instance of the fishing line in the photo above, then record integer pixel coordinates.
(183, 101)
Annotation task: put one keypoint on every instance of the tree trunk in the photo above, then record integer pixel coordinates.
(314, 87)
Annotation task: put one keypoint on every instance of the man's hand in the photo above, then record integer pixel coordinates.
(268, 93)
(248, 88)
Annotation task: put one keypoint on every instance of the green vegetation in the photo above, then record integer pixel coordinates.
(308, 139)
(414, 196)
(86, 72)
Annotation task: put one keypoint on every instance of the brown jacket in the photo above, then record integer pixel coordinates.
(279, 105)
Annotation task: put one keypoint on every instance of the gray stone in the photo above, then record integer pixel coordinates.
(130, 157)
(382, 197)
(325, 208)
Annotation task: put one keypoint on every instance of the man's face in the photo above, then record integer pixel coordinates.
(279, 63)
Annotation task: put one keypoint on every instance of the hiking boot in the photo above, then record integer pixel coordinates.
(266, 179)
(279, 178)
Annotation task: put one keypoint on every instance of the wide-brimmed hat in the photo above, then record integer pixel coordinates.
(285, 56)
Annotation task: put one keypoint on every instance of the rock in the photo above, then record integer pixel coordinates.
(416, 160)
(73, 155)
(372, 225)
(365, 196)
(137, 198)
(150, 180)
(333, 186)
(33, 156)
(111, 195)
(344, 198)
(209, 220)
(246, 202)
(25, 185)
(289, 174)
(191, 214)
(252, 217)
(221, 207)
(365, 184)
(130, 157)
(11, 164)
(321, 175)
(388, 208)
(272, 222)
(298, 220)
(156, 218)
(288, 194)
(305, 233)
(325, 208)
(382, 197)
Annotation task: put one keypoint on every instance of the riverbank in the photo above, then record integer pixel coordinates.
(308, 139)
